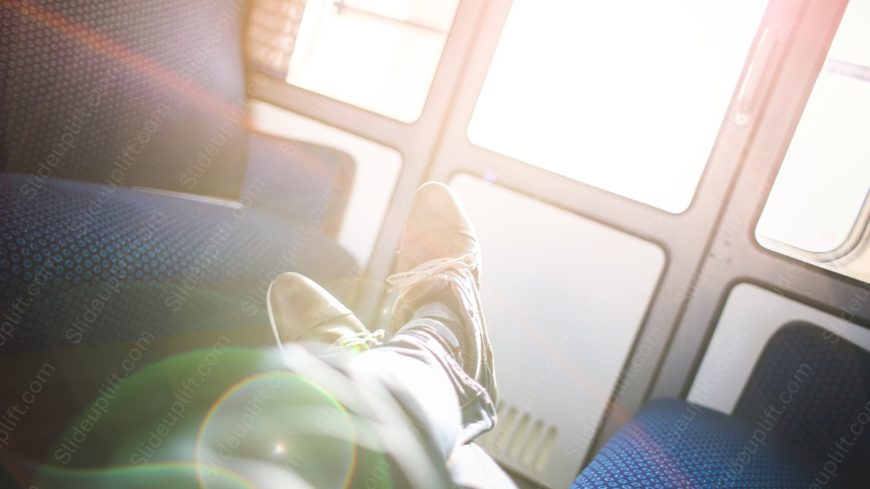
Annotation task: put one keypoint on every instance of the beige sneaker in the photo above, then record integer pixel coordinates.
(302, 311)
(439, 257)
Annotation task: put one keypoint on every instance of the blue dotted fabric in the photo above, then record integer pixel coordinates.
(86, 263)
(674, 444)
(812, 388)
(84, 81)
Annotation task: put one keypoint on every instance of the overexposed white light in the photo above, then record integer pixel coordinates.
(379, 55)
(625, 95)
(853, 35)
(825, 175)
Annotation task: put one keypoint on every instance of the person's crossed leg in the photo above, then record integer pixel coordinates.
(429, 389)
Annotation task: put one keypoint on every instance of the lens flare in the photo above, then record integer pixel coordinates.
(283, 420)
(174, 475)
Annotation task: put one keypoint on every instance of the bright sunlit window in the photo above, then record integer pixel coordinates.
(380, 55)
(818, 203)
(625, 95)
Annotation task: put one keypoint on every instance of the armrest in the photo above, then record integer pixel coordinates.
(303, 181)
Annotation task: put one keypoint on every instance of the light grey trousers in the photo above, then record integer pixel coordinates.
(416, 378)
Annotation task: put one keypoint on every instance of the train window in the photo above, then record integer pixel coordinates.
(818, 208)
(627, 96)
(378, 55)
(579, 333)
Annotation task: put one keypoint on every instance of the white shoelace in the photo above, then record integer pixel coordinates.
(429, 269)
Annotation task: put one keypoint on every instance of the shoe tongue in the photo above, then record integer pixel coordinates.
(451, 244)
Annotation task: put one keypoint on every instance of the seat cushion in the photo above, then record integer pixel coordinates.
(84, 263)
(675, 444)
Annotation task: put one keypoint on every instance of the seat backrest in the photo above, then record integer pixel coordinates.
(812, 388)
(130, 93)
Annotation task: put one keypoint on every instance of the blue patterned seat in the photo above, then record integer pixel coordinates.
(102, 97)
(827, 381)
(76, 271)
(807, 442)
(675, 444)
